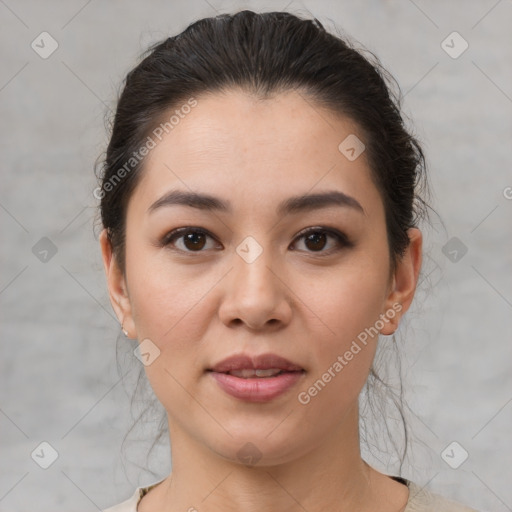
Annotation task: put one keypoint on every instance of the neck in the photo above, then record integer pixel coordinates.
(330, 475)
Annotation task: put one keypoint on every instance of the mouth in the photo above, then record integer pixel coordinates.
(256, 379)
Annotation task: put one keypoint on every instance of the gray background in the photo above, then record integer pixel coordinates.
(59, 379)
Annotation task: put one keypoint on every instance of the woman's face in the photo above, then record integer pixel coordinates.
(250, 281)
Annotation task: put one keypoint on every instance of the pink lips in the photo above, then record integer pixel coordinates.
(256, 389)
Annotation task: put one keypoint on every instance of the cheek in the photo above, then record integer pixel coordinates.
(174, 316)
(173, 310)
(347, 304)
(165, 298)
(173, 305)
(346, 299)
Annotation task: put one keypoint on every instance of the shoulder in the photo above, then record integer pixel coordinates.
(423, 500)
(130, 505)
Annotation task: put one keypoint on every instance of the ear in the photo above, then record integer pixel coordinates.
(117, 288)
(404, 281)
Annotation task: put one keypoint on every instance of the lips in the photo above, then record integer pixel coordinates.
(261, 366)
(256, 379)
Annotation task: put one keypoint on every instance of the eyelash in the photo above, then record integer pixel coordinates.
(341, 238)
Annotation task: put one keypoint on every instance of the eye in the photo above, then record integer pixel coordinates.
(315, 239)
(194, 239)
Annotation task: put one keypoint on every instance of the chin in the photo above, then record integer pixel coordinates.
(259, 448)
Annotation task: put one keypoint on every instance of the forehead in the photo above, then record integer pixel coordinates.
(233, 144)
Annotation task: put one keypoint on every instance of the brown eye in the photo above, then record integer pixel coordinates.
(316, 239)
(193, 240)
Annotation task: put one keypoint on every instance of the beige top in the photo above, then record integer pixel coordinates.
(420, 500)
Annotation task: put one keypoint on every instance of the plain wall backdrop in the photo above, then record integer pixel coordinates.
(59, 380)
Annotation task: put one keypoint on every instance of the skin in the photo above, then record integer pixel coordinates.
(200, 307)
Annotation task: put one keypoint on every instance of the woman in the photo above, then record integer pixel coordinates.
(260, 203)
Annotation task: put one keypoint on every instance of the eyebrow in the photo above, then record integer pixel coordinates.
(296, 204)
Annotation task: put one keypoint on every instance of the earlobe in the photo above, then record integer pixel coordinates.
(404, 282)
(116, 285)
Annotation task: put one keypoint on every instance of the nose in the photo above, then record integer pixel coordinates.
(256, 295)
